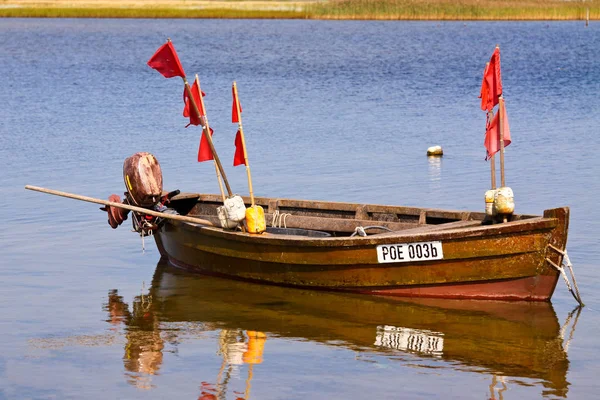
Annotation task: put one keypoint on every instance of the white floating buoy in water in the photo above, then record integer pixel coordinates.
(435, 151)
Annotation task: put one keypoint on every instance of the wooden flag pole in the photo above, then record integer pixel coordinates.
(492, 158)
(248, 380)
(206, 127)
(493, 162)
(501, 129)
(207, 134)
(501, 122)
(237, 107)
(489, 118)
(169, 66)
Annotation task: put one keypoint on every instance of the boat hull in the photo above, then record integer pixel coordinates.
(500, 262)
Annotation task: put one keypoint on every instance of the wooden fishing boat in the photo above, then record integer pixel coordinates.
(407, 251)
(350, 247)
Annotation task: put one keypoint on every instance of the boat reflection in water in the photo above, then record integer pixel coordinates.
(503, 339)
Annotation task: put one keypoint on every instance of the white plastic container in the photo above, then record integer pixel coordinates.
(232, 212)
(504, 201)
(489, 202)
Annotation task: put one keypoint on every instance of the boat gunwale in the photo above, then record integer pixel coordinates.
(341, 206)
(514, 227)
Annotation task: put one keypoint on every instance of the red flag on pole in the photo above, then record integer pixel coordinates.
(166, 62)
(491, 87)
(194, 120)
(487, 103)
(492, 135)
(238, 157)
(234, 112)
(204, 152)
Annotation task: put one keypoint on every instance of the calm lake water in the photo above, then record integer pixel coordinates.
(332, 111)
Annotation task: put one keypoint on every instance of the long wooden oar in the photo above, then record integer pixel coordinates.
(121, 205)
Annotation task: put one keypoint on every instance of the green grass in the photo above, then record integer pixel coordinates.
(345, 9)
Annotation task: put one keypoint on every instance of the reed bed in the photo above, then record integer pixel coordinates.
(74, 12)
(309, 9)
(456, 9)
(279, 9)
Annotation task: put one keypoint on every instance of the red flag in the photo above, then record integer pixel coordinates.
(194, 120)
(487, 103)
(492, 135)
(204, 152)
(238, 157)
(166, 62)
(491, 87)
(234, 113)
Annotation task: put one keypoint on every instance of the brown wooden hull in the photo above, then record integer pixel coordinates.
(500, 262)
(537, 288)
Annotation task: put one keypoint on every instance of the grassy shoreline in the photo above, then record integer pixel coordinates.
(547, 10)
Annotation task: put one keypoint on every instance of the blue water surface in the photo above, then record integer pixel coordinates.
(333, 110)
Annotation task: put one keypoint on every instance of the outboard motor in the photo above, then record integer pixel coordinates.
(143, 179)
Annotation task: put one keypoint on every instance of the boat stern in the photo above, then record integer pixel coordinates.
(557, 241)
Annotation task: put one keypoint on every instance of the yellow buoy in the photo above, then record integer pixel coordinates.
(255, 219)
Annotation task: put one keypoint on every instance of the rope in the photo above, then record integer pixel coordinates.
(278, 219)
(274, 220)
(284, 217)
(566, 344)
(570, 266)
(144, 227)
(361, 231)
(560, 268)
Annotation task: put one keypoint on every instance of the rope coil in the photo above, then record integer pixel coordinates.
(278, 219)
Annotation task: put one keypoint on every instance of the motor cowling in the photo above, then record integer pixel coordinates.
(143, 179)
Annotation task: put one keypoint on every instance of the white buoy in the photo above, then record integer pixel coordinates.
(489, 202)
(435, 151)
(504, 201)
(232, 212)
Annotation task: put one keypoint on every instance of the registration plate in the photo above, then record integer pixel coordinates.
(405, 252)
